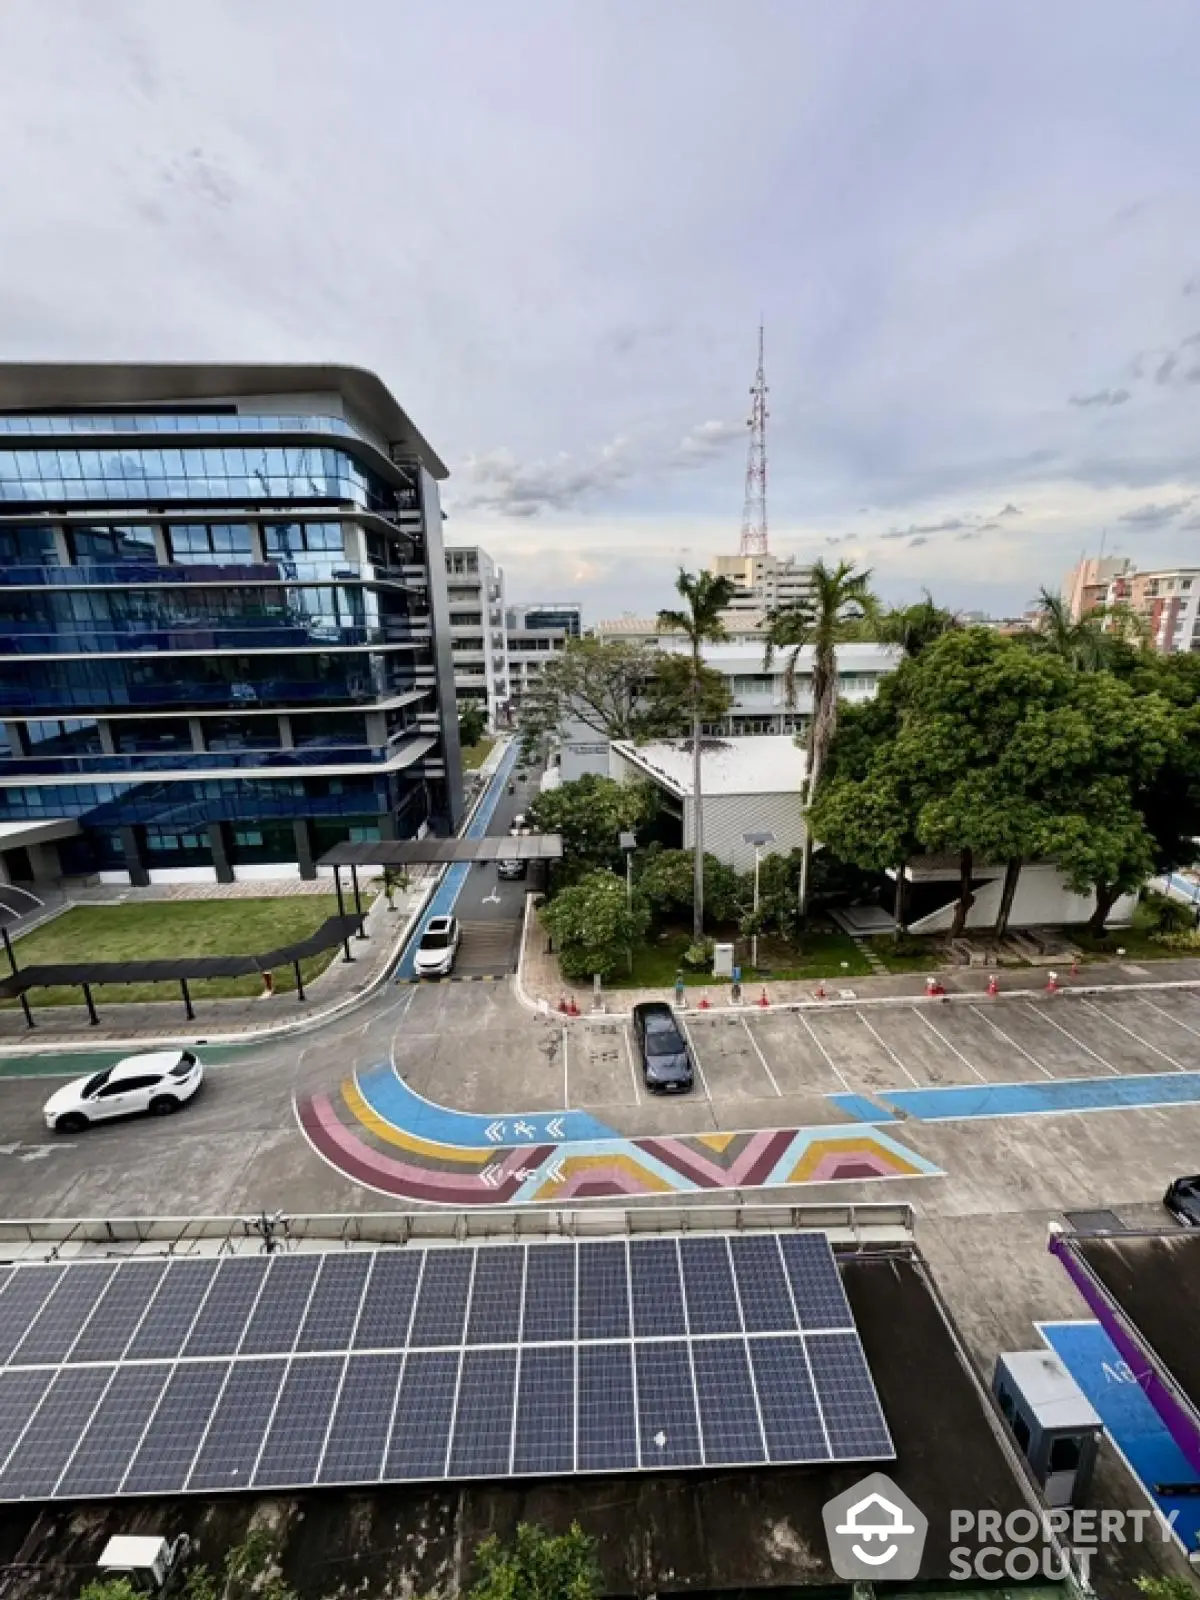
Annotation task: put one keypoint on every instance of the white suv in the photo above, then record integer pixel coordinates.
(438, 948)
(159, 1082)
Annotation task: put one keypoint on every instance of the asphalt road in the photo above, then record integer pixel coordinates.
(490, 908)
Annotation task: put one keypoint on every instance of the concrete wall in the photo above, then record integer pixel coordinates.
(1042, 900)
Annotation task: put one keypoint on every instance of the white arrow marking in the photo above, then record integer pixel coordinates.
(555, 1128)
(492, 899)
(555, 1171)
(490, 1177)
(32, 1152)
(495, 1131)
(524, 1130)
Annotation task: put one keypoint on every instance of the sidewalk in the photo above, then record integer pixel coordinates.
(341, 983)
(540, 984)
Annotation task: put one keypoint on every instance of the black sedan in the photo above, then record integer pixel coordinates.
(1182, 1199)
(510, 871)
(667, 1064)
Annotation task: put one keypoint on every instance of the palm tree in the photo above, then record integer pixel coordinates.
(1081, 644)
(706, 597)
(839, 602)
(916, 626)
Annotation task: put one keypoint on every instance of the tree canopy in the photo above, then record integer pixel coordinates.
(593, 925)
(625, 691)
(591, 813)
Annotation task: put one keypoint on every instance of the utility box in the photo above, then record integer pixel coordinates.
(147, 1561)
(1053, 1422)
(722, 961)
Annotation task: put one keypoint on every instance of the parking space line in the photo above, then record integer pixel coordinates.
(566, 1074)
(761, 1057)
(966, 1063)
(829, 1062)
(637, 1093)
(687, 1034)
(1067, 1034)
(1020, 1049)
(882, 1042)
(1113, 1023)
(1186, 1026)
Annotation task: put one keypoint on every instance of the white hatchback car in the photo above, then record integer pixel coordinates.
(159, 1083)
(438, 948)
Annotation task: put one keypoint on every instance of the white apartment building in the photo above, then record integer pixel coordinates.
(764, 580)
(478, 639)
(536, 632)
(1167, 601)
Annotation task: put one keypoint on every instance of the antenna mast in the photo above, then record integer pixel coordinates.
(754, 511)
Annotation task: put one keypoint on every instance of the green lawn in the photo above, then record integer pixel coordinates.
(474, 755)
(168, 928)
(906, 959)
(818, 955)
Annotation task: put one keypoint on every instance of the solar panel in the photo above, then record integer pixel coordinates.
(199, 1375)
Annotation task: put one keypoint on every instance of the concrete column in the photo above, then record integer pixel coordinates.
(302, 830)
(18, 738)
(377, 729)
(286, 739)
(5, 875)
(61, 548)
(131, 844)
(258, 553)
(44, 862)
(196, 729)
(107, 742)
(162, 545)
(220, 852)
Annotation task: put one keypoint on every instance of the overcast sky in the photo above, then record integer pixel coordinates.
(972, 229)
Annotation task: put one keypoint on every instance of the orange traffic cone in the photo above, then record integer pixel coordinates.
(705, 1002)
(563, 1006)
(993, 984)
(573, 1006)
(1052, 985)
(934, 986)
(822, 992)
(1074, 966)
(762, 999)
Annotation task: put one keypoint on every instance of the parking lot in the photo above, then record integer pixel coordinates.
(757, 1069)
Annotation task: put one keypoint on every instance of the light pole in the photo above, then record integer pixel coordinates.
(628, 843)
(759, 840)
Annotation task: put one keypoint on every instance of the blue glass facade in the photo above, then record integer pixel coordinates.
(217, 651)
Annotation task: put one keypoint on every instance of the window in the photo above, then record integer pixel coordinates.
(128, 1086)
(112, 545)
(1064, 1455)
(293, 538)
(209, 544)
(28, 547)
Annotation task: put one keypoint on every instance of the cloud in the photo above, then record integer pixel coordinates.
(707, 441)
(1192, 286)
(1153, 516)
(920, 539)
(1102, 397)
(1166, 368)
(503, 485)
(1010, 510)
(920, 530)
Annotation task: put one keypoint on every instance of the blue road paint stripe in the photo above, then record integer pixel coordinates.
(1131, 1422)
(391, 1098)
(857, 1105)
(1029, 1099)
(448, 891)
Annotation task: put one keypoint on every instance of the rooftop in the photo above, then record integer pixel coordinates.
(42, 386)
(752, 764)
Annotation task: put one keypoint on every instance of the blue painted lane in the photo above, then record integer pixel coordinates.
(448, 891)
(1129, 1419)
(1058, 1095)
(391, 1098)
(860, 1108)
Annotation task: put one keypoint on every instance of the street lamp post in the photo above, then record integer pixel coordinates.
(759, 840)
(628, 843)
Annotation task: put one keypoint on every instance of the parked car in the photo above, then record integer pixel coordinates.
(159, 1082)
(667, 1065)
(519, 825)
(1182, 1199)
(511, 870)
(438, 948)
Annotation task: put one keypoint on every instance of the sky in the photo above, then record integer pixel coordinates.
(971, 229)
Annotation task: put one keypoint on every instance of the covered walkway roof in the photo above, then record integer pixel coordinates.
(441, 852)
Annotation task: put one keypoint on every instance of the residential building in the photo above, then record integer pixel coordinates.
(749, 785)
(1085, 588)
(764, 581)
(478, 637)
(224, 640)
(1167, 602)
(537, 632)
(746, 627)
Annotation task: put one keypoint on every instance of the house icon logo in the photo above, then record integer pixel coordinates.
(875, 1531)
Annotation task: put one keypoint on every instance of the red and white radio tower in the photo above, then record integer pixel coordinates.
(754, 512)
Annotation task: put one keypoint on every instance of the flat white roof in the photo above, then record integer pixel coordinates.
(747, 764)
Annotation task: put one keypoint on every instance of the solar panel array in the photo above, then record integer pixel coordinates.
(283, 1371)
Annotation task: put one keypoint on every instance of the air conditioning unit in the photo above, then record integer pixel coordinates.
(149, 1563)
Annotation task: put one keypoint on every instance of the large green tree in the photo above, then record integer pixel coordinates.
(591, 813)
(917, 626)
(593, 925)
(705, 597)
(622, 690)
(837, 605)
(666, 881)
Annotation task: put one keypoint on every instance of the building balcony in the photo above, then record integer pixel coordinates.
(137, 574)
(183, 639)
(107, 768)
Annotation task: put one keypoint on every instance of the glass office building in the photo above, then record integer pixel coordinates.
(224, 639)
